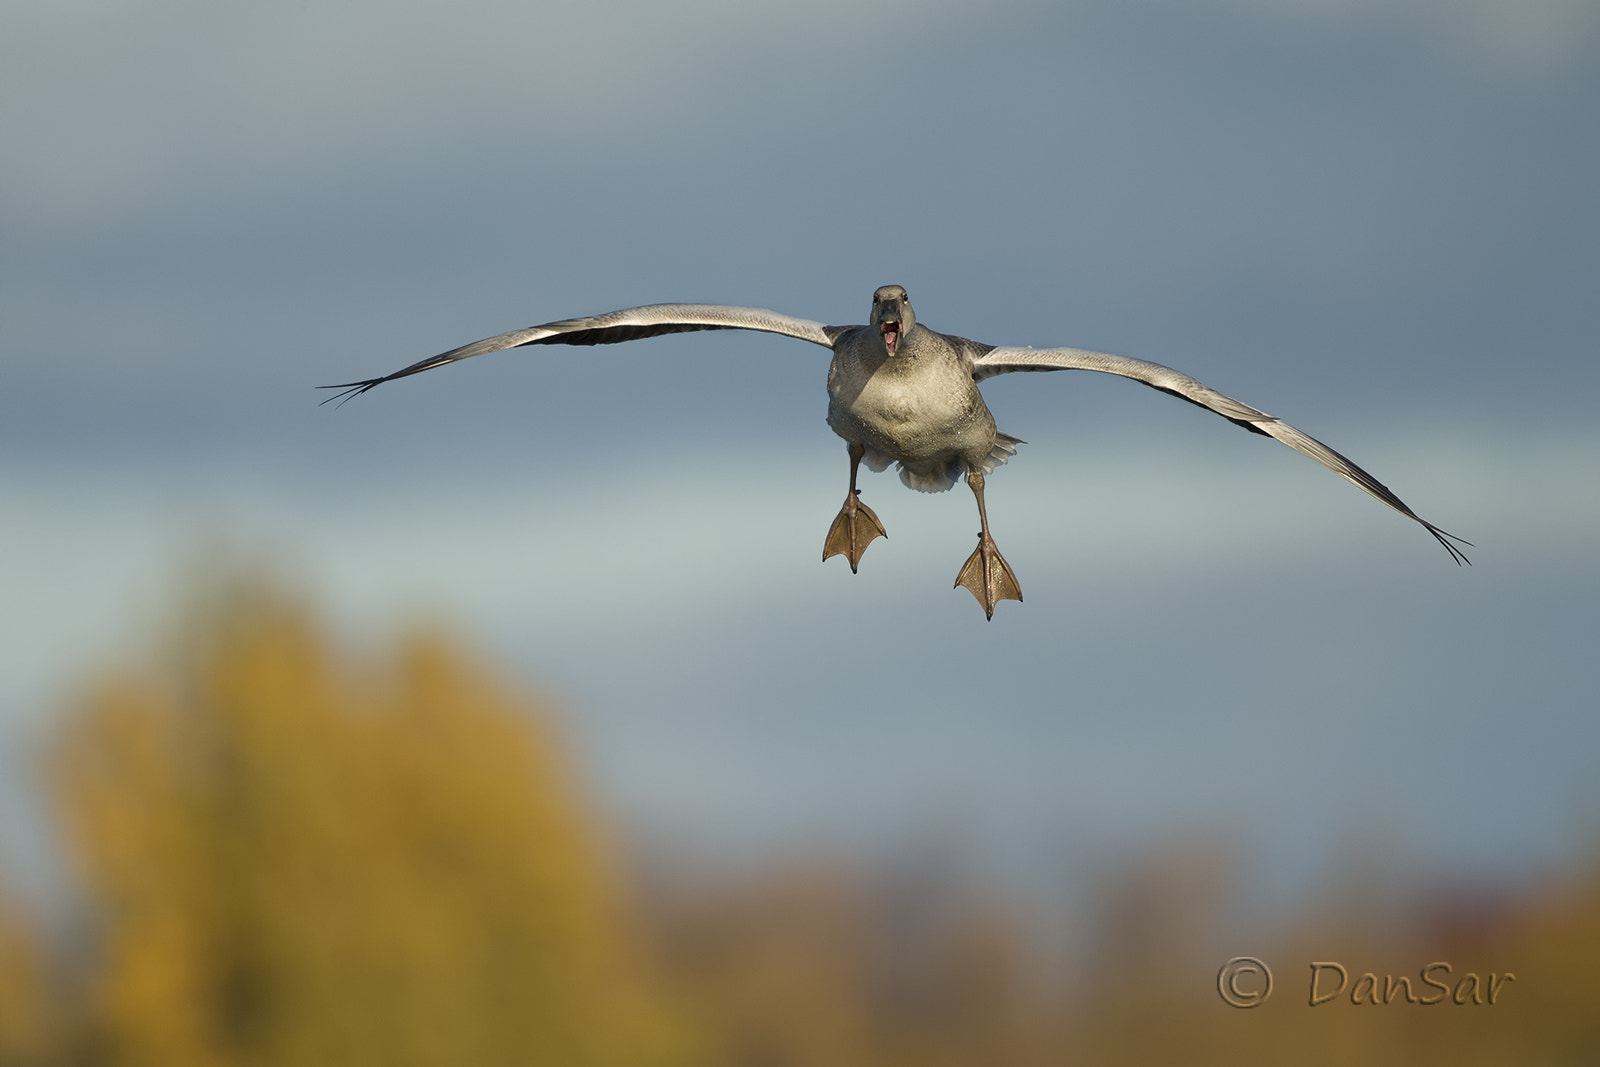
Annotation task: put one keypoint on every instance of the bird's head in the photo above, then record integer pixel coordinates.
(892, 316)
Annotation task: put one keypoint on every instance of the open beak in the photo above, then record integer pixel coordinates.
(890, 329)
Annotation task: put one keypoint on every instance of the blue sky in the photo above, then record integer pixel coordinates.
(1375, 220)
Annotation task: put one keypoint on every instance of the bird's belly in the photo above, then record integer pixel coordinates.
(907, 422)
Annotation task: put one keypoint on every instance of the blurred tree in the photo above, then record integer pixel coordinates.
(25, 1019)
(290, 861)
(293, 863)
(809, 965)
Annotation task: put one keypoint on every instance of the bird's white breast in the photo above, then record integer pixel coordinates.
(889, 399)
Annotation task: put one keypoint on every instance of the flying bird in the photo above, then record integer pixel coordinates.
(901, 393)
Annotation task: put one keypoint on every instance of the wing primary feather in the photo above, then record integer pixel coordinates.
(616, 334)
(612, 328)
(1180, 385)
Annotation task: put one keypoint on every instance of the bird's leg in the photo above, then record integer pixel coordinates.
(986, 573)
(856, 525)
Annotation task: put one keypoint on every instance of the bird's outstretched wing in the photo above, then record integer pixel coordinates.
(1009, 360)
(614, 326)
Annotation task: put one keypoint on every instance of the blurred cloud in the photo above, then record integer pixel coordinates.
(1502, 36)
(112, 107)
(126, 106)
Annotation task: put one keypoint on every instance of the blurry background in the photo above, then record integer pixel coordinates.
(1235, 680)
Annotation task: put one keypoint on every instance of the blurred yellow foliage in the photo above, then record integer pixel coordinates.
(809, 965)
(297, 864)
(288, 858)
(25, 1016)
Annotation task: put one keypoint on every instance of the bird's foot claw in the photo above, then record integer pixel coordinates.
(988, 577)
(852, 531)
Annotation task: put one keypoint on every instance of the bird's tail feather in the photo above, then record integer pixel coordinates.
(937, 481)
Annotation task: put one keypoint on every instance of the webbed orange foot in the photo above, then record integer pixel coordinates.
(988, 577)
(852, 531)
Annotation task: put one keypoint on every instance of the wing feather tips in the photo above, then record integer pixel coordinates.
(1445, 539)
(349, 391)
(1341, 465)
